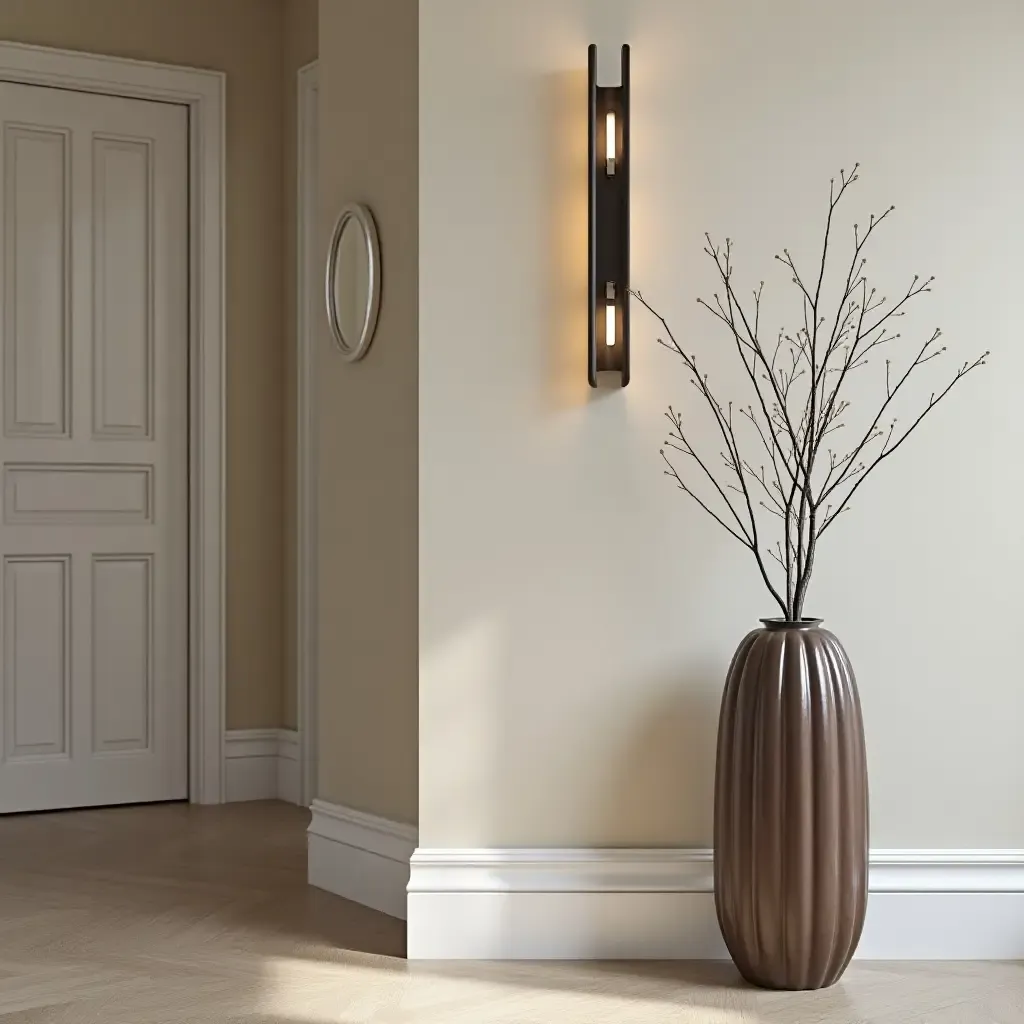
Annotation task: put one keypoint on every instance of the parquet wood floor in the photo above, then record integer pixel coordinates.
(168, 914)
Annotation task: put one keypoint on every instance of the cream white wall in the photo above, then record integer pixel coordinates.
(576, 614)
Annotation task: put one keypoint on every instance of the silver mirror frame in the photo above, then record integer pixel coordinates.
(354, 349)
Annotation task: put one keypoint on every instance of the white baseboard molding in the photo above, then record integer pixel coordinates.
(361, 857)
(261, 764)
(659, 904)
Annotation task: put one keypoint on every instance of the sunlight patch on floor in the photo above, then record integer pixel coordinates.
(304, 992)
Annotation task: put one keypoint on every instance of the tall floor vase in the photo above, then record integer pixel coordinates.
(791, 808)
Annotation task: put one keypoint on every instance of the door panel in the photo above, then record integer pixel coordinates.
(123, 311)
(94, 530)
(36, 669)
(77, 494)
(122, 655)
(36, 232)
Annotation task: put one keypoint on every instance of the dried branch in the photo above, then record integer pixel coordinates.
(888, 449)
(799, 402)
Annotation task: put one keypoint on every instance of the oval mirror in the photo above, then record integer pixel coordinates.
(353, 281)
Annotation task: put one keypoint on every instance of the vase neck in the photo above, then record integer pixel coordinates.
(779, 624)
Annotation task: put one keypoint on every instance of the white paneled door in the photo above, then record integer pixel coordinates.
(94, 449)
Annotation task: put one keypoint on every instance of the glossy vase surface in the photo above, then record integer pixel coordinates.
(791, 808)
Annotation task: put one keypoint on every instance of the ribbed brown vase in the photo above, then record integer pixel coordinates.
(791, 808)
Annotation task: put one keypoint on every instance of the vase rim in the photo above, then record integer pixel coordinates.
(780, 623)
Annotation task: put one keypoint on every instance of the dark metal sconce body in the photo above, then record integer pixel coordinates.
(608, 284)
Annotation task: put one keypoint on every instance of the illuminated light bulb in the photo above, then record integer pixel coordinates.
(609, 315)
(609, 143)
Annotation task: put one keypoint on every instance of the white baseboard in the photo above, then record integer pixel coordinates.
(361, 857)
(261, 764)
(659, 904)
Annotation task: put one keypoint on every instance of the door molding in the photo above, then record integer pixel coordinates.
(202, 92)
(306, 605)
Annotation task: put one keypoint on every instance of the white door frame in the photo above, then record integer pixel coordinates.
(202, 92)
(305, 404)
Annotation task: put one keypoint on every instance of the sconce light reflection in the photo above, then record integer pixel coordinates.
(608, 175)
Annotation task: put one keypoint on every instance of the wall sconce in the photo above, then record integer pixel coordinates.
(608, 174)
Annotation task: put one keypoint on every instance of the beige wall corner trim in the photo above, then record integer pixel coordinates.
(360, 856)
(522, 904)
(306, 558)
(289, 767)
(203, 93)
(261, 764)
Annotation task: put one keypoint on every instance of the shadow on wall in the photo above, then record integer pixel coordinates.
(570, 683)
(668, 747)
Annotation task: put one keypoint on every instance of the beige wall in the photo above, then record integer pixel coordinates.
(368, 420)
(576, 614)
(242, 38)
(300, 48)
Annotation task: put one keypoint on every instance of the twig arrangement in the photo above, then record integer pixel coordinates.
(798, 380)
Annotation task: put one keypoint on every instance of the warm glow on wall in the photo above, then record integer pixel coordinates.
(608, 175)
